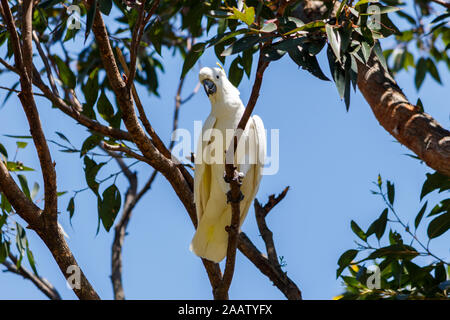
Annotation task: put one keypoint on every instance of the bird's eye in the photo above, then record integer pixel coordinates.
(217, 77)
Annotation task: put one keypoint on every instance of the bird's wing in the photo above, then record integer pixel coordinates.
(202, 179)
(261, 142)
(252, 167)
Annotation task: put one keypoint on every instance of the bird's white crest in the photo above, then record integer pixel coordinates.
(213, 212)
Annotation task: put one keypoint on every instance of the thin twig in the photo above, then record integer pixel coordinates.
(267, 235)
(137, 36)
(8, 66)
(41, 283)
(131, 199)
(44, 59)
(127, 151)
(155, 139)
(18, 91)
(407, 229)
(142, 116)
(442, 3)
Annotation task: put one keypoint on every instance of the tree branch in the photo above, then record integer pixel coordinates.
(415, 129)
(50, 233)
(131, 199)
(45, 224)
(142, 116)
(23, 56)
(44, 59)
(171, 171)
(233, 178)
(261, 212)
(278, 277)
(274, 271)
(41, 283)
(442, 3)
(71, 111)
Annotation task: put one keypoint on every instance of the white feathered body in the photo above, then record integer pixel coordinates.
(213, 212)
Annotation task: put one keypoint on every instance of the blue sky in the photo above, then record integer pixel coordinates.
(329, 158)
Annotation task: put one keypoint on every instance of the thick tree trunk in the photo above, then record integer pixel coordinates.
(418, 131)
(405, 122)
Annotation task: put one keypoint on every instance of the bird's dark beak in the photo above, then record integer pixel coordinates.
(209, 86)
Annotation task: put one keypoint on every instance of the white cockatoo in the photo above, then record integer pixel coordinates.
(210, 189)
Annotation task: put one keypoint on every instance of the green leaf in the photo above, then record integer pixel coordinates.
(192, 57)
(3, 218)
(439, 225)
(435, 181)
(406, 16)
(397, 251)
(71, 207)
(347, 84)
(4, 251)
(421, 71)
(308, 26)
(433, 71)
(5, 205)
(35, 190)
(304, 60)
(21, 239)
(241, 44)
(3, 151)
(90, 170)
(66, 75)
(91, 88)
(21, 144)
(366, 49)
(105, 108)
(379, 53)
(382, 222)
(105, 6)
(235, 73)
(18, 137)
(269, 27)
(270, 53)
(345, 259)
(247, 61)
(341, 6)
(90, 143)
(358, 231)
(383, 10)
(247, 16)
(221, 14)
(223, 37)
(49, 3)
(24, 184)
(420, 215)
(388, 9)
(419, 104)
(443, 206)
(334, 39)
(361, 2)
(109, 206)
(378, 226)
(337, 72)
(31, 260)
(90, 18)
(62, 136)
(441, 17)
(390, 192)
(439, 273)
(17, 166)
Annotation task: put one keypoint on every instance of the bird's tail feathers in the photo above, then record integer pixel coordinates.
(211, 239)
